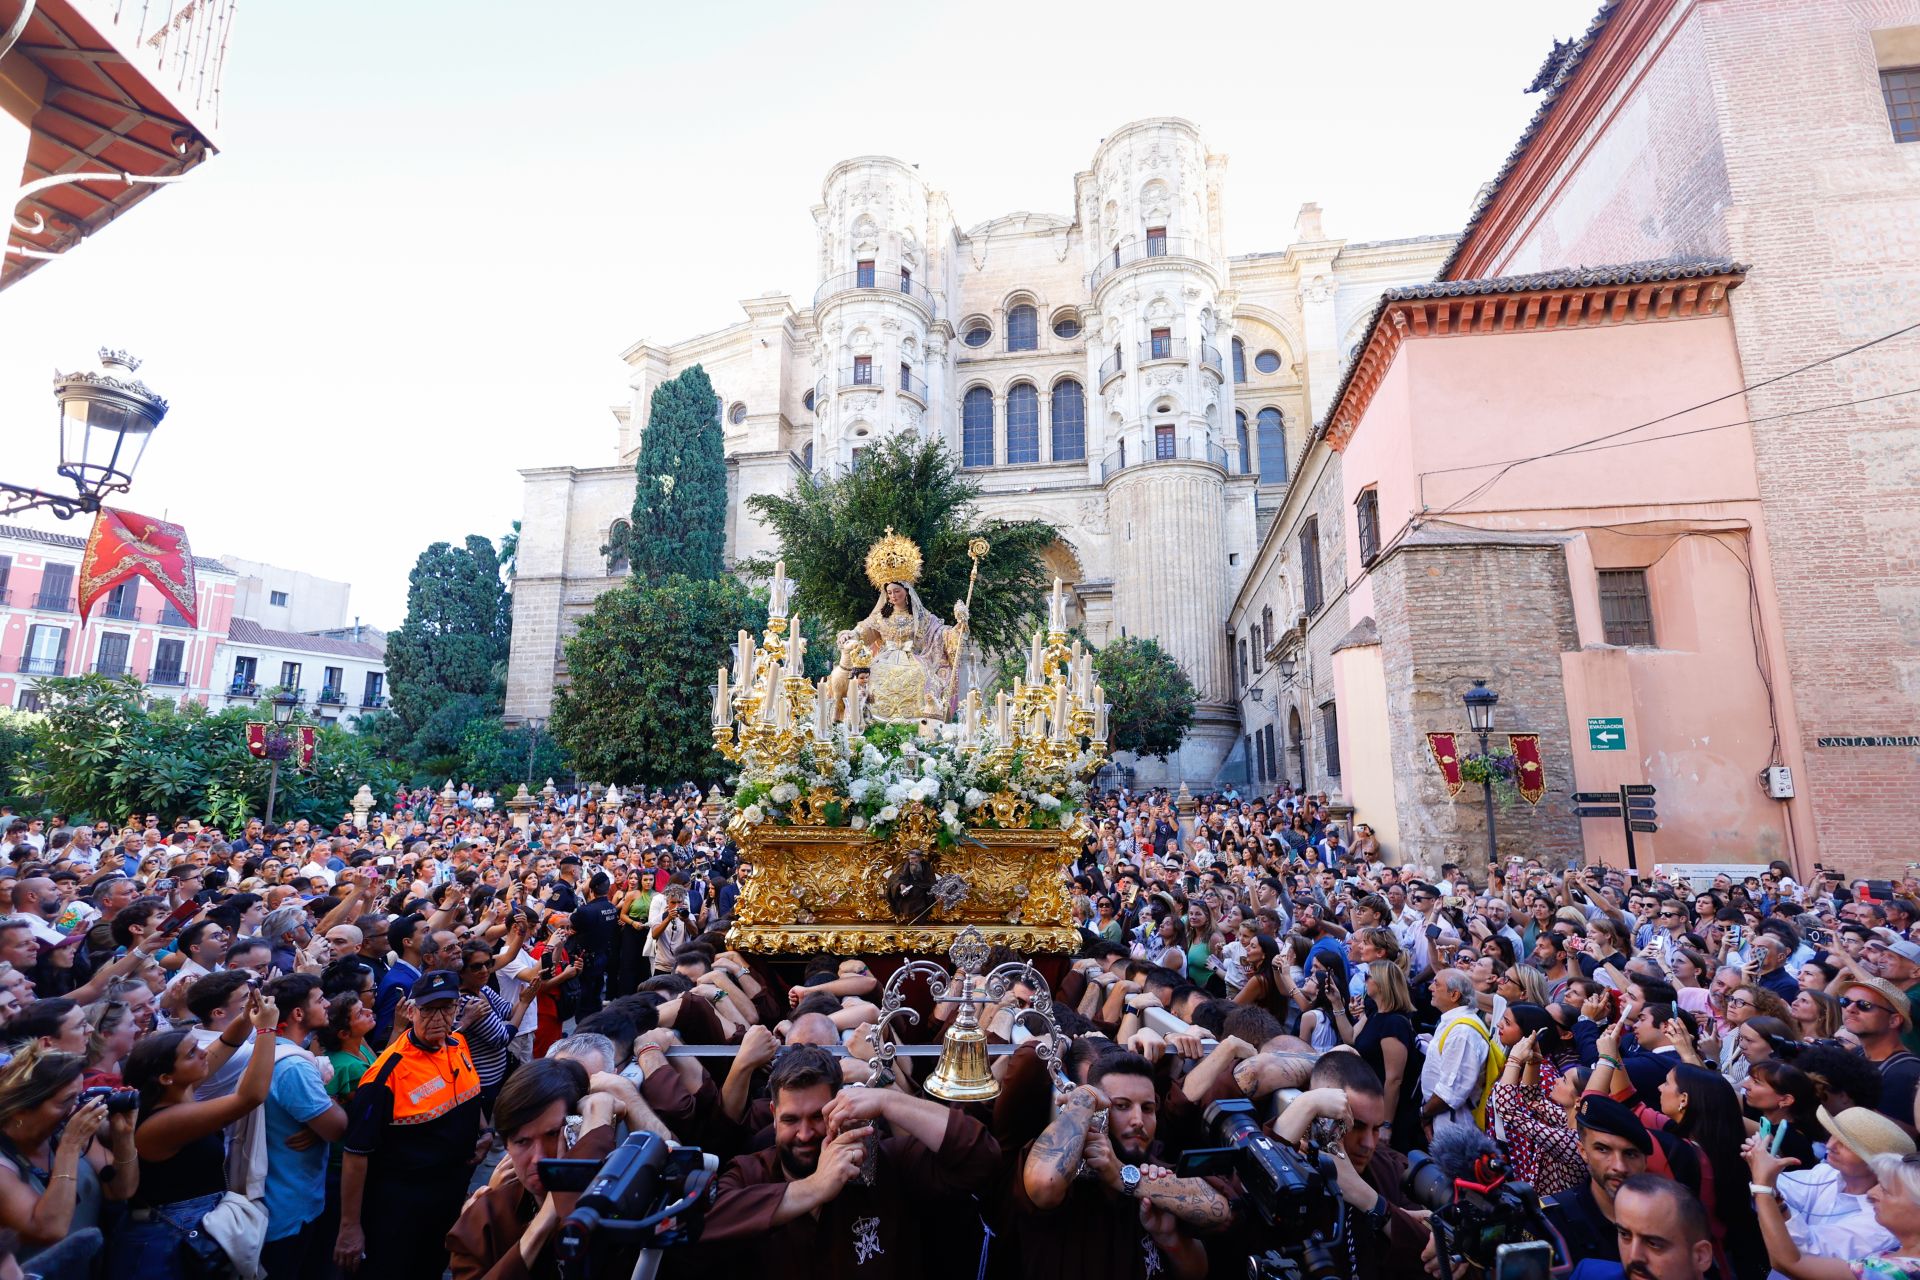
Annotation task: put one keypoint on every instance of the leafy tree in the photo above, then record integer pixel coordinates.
(445, 660)
(1152, 696)
(97, 748)
(497, 756)
(16, 746)
(636, 708)
(917, 487)
(680, 502)
(510, 552)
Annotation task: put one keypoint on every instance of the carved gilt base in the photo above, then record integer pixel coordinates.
(834, 890)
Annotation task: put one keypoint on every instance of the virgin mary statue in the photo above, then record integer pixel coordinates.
(913, 652)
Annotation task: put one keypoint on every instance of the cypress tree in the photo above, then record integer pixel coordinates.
(680, 502)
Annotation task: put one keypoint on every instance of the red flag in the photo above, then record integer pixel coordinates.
(303, 746)
(1445, 755)
(124, 545)
(257, 738)
(1528, 774)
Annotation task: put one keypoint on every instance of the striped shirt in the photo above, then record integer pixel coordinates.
(488, 1036)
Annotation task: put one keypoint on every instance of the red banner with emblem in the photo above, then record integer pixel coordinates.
(1529, 776)
(124, 545)
(1448, 758)
(300, 739)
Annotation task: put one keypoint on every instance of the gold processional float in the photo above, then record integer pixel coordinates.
(876, 821)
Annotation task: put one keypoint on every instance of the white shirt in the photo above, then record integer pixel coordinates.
(1825, 1221)
(662, 945)
(516, 973)
(1456, 1067)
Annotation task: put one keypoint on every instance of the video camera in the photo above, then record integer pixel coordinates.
(1479, 1214)
(1298, 1198)
(644, 1197)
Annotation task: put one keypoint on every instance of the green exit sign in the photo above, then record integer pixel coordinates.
(1606, 733)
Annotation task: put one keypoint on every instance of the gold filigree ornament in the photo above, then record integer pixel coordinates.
(894, 558)
(1009, 810)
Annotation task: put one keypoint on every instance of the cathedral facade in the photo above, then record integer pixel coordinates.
(1113, 372)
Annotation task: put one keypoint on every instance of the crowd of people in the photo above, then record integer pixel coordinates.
(302, 1052)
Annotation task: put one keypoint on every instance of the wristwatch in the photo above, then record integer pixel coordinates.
(1129, 1179)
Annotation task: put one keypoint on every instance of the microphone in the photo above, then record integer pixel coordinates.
(1459, 1149)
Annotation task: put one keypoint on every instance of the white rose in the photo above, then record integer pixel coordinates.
(858, 822)
(896, 792)
(785, 793)
(887, 814)
(858, 788)
(1066, 821)
(949, 810)
(1049, 802)
(975, 797)
(754, 814)
(929, 768)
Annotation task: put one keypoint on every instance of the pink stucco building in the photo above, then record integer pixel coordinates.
(1645, 454)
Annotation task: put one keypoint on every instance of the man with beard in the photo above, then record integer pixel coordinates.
(809, 1207)
(1663, 1232)
(1615, 1146)
(1073, 1226)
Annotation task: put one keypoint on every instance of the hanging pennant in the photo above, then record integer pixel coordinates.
(1445, 756)
(123, 546)
(257, 738)
(1529, 776)
(304, 737)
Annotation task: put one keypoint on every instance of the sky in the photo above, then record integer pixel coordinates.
(434, 225)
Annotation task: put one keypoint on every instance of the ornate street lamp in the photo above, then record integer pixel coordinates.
(1480, 702)
(106, 420)
(285, 703)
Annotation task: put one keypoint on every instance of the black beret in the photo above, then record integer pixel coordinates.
(1604, 1115)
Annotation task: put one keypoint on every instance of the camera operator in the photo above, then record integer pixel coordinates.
(507, 1230)
(1384, 1226)
(803, 1208)
(1072, 1226)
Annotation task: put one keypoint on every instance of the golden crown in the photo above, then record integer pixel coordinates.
(893, 559)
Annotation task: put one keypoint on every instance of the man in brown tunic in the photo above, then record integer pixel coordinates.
(803, 1209)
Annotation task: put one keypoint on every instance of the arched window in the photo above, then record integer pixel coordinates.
(1239, 360)
(1069, 421)
(1273, 447)
(1023, 423)
(618, 561)
(1023, 329)
(976, 428)
(1246, 441)
(806, 456)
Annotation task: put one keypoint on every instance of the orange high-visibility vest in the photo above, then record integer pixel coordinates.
(425, 1086)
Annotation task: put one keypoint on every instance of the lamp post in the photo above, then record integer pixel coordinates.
(1480, 702)
(534, 726)
(106, 419)
(284, 704)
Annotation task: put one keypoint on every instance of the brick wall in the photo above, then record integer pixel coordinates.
(1450, 612)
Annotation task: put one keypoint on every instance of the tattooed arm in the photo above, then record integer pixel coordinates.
(1267, 1073)
(1054, 1158)
(1191, 1200)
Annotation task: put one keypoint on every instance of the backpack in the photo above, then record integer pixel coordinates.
(1490, 1073)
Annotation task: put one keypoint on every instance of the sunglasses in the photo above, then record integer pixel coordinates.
(1852, 1002)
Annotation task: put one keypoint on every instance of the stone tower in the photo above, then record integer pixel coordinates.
(882, 352)
(1157, 270)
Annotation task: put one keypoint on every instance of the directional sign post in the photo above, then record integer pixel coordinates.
(1606, 733)
(1636, 806)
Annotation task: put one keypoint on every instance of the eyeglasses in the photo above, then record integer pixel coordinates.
(478, 966)
(1852, 1002)
(1739, 1002)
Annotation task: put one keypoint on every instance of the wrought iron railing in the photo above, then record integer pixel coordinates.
(244, 689)
(1110, 368)
(334, 696)
(54, 603)
(373, 701)
(1187, 450)
(111, 668)
(160, 675)
(32, 666)
(859, 376)
(1163, 349)
(121, 610)
(878, 280)
(1139, 251)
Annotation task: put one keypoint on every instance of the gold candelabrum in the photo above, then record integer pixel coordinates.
(817, 883)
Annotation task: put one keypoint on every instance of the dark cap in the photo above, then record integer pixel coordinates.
(1604, 1115)
(435, 986)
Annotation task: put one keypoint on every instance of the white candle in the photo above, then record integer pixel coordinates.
(856, 708)
(1057, 610)
(751, 658)
(1060, 709)
(1000, 717)
(797, 650)
(822, 715)
(722, 715)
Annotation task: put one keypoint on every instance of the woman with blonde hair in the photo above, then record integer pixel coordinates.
(1379, 1026)
(1523, 984)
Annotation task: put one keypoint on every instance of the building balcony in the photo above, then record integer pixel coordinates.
(858, 378)
(244, 689)
(1163, 350)
(1110, 368)
(121, 610)
(1210, 359)
(119, 668)
(1124, 459)
(914, 387)
(32, 666)
(877, 281)
(373, 701)
(333, 697)
(53, 603)
(167, 616)
(1170, 250)
(165, 676)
